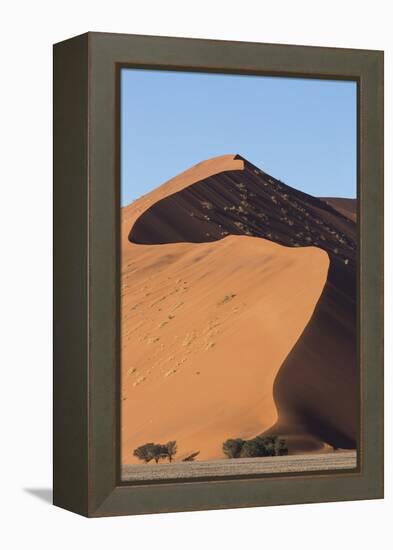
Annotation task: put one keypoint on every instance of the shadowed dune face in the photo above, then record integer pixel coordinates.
(306, 350)
(246, 201)
(194, 174)
(347, 207)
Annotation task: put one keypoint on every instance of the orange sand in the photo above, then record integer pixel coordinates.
(205, 329)
(243, 321)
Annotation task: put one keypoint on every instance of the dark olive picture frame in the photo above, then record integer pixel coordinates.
(86, 273)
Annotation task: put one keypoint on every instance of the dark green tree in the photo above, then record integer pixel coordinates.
(232, 447)
(145, 452)
(171, 449)
(159, 451)
(251, 449)
(267, 445)
(282, 447)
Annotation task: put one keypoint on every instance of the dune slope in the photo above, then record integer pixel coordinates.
(206, 327)
(228, 209)
(347, 207)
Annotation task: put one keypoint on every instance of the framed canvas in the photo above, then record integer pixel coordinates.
(218, 274)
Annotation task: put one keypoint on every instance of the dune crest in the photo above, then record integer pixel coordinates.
(196, 173)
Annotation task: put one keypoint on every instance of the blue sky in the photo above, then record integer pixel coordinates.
(301, 131)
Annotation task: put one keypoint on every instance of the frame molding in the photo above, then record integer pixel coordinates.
(86, 271)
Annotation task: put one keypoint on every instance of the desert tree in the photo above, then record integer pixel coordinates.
(267, 445)
(171, 449)
(145, 452)
(259, 446)
(232, 447)
(282, 447)
(159, 451)
(272, 445)
(251, 448)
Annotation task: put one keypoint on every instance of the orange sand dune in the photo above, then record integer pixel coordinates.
(215, 231)
(205, 329)
(194, 174)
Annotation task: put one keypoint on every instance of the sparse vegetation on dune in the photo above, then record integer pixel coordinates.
(226, 299)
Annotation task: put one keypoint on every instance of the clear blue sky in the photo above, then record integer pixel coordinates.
(301, 131)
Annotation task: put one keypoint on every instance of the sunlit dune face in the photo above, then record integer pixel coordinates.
(205, 329)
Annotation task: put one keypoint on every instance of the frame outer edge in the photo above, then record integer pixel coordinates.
(70, 271)
(370, 163)
(105, 52)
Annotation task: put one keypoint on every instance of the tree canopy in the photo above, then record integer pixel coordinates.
(156, 451)
(145, 452)
(256, 447)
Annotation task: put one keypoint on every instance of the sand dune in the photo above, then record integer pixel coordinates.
(238, 313)
(194, 174)
(206, 328)
(344, 206)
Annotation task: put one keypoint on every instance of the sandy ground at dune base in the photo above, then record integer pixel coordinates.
(339, 460)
